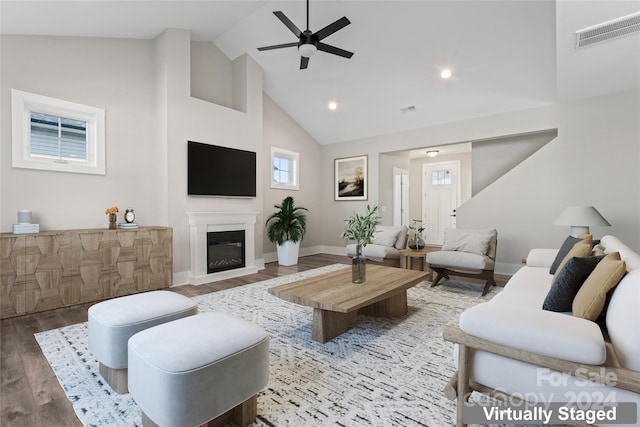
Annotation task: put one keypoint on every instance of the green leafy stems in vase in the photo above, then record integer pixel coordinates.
(416, 241)
(360, 228)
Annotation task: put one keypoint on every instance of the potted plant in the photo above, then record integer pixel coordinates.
(286, 228)
(360, 228)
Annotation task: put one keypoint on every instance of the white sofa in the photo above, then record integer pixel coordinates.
(385, 245)
(510, 346)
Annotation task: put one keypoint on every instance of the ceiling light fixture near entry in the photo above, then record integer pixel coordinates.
(432, 153)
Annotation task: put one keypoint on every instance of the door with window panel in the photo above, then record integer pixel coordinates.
(440, 199)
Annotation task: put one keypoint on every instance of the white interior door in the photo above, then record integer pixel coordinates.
(440, 199)
(400, 197)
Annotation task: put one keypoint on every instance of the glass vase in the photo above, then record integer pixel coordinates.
(416, 242)
(358, 267)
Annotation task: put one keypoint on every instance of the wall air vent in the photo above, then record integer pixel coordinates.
(409, 109)
(608, 30)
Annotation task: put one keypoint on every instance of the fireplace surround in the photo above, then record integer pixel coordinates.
(200, 224)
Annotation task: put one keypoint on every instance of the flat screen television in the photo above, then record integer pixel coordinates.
(220, 171)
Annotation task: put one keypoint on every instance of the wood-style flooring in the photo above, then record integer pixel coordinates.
(30, 394)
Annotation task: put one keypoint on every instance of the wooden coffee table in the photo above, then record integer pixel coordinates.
(336, 301)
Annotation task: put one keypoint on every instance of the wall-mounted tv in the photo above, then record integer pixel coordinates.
(220, 171)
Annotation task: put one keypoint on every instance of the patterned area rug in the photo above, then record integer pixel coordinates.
(382, 372)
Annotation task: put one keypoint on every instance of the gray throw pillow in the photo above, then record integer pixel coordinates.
(564, 250)
(568, 283)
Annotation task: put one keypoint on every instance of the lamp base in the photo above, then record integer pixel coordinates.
(577, 230)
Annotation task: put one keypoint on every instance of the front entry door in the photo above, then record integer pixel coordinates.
(440, 199)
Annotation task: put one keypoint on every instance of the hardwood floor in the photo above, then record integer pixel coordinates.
(30, 394)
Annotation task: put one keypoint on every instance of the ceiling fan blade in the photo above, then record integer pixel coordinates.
(290, 25)
(334, 50)
(278, 46)
(332, 28)
(304, 61)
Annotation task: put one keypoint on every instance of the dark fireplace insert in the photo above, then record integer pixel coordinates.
(225, 250)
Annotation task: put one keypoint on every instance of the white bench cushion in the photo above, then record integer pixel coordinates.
(190, 371)
(113, 322)
(460, 260)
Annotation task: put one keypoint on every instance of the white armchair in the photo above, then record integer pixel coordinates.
(385, 246)
(466, 253)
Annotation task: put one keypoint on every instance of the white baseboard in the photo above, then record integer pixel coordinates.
(184, 277)
(311, 250)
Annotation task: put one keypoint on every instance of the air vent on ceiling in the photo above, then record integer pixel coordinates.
(409, 109)
(608, 30)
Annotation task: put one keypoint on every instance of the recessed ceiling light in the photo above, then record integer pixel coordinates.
(333, 105)
(446, 73)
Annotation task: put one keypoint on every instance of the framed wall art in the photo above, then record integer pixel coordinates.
(350, 178)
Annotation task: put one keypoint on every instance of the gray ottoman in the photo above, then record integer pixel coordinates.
(113, 322)
(202, 368)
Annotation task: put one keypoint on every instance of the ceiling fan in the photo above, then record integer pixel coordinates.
(309, 43)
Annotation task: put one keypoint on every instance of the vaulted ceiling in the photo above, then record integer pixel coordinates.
(504, 55)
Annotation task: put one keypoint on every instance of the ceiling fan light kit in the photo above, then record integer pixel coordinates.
(308, 42)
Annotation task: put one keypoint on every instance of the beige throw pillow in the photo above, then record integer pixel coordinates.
(590, 299)
(580, 249)
(467, 242)
(385, 238)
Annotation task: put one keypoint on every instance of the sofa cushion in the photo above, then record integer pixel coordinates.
(537, 331)
(623, 320)
(591, 297)
(568, 282)
(375, 251)
(401, 236)
(580, 249)
(385, 238)
(460, 260)
(461, 241)
(567, 245)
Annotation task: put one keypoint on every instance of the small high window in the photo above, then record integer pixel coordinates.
(51, 134)
(284, 169)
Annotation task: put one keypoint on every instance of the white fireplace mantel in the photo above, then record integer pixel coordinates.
(200, 223)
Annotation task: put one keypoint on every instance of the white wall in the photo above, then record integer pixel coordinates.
(145, 88)
(113, 74)
(281, 131)
(189, 118)
(595, 160)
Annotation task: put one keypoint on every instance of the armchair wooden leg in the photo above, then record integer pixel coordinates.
(441, 273)
(464, 390)
(451, 388)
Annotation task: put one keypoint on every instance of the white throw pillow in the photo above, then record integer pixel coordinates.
(467, 242)
(385, 238)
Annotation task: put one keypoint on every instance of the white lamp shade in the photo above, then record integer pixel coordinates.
(580, 218)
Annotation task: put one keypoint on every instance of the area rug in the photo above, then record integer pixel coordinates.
(382, 372)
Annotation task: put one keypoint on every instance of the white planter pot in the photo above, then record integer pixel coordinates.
(288, 253)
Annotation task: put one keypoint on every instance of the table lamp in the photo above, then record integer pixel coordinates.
(580, 218)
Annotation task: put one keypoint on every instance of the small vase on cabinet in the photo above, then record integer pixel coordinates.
(112, 221)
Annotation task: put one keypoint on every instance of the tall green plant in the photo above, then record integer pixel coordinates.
(287, 223)
(360, 228)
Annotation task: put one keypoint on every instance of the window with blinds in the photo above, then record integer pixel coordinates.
(58, 137)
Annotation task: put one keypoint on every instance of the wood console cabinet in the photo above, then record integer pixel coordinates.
(53, 269)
